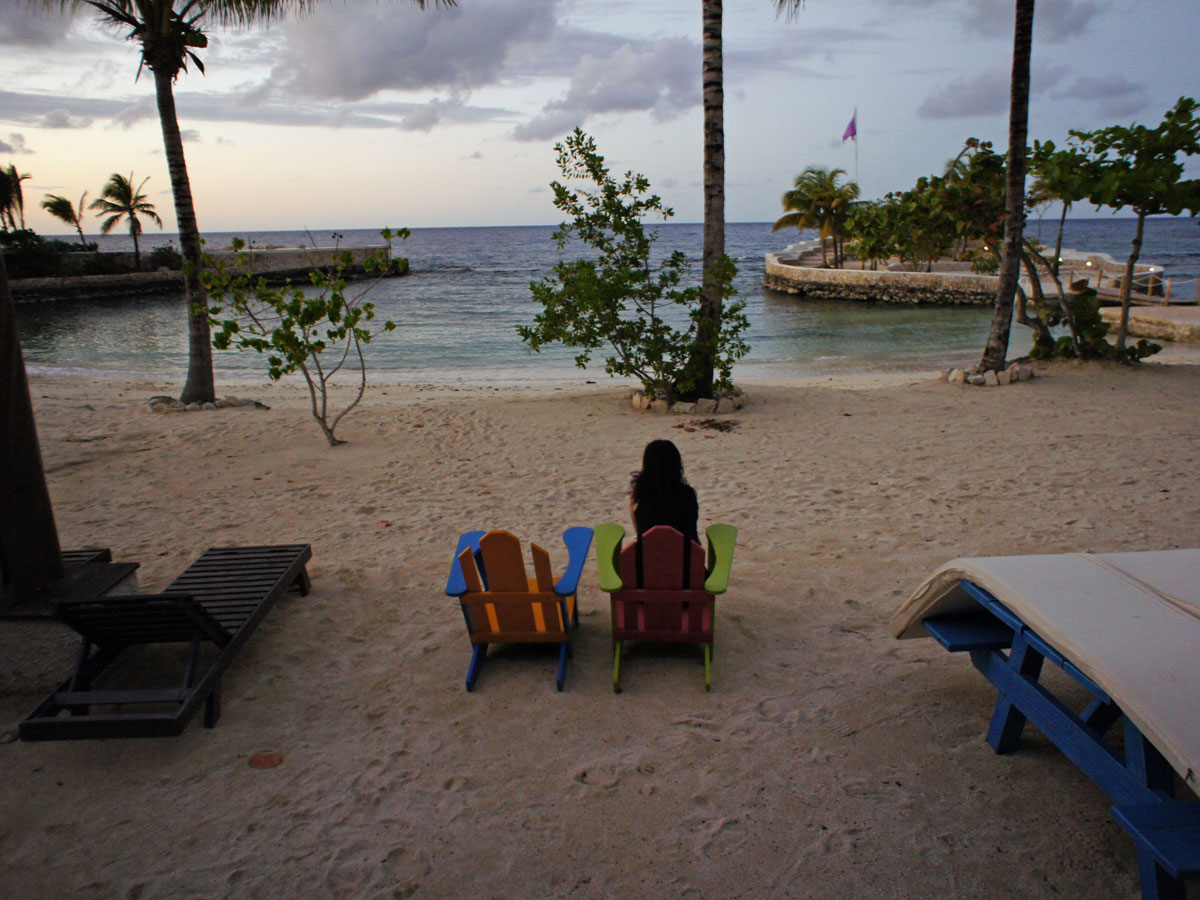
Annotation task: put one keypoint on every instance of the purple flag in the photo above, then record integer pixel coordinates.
(851, 131)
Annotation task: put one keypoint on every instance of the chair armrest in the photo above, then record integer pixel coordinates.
(456, 585)
(578, 540)
(721, 539)
(608, 555)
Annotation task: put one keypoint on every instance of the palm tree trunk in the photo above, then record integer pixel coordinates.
(712, 77)
(1127, 282)
(198, 388)
(995, 353)
(30, 558)
(137, 254)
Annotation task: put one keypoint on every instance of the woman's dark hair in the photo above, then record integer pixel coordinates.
(662, 471)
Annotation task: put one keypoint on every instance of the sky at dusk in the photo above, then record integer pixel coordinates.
(364, 114)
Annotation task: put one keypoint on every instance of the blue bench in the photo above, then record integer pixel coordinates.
(1134, 775)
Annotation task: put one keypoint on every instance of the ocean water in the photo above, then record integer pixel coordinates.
(457, 312)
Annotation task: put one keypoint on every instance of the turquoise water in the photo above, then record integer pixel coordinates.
(469, 289)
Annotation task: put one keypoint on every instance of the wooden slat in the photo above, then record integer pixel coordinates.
(501, 551)
(541, 567)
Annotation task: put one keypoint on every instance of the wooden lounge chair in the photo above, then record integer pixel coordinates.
(502, 605)
(214, 606)
(1125, 627)
(661, 588)
(87, 574)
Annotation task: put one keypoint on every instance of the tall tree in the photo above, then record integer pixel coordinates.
(169, 32)
(64, 209)
(121, 200)
(1139, 167)
(713, 261)
(12, 200)
(30, 558)
(995, 353)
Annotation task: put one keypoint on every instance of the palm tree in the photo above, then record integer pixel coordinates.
(169, 32)
(12, 200)
(819, 200)
(995, 352)
(712, 80)
(62, 208)
(121, 200)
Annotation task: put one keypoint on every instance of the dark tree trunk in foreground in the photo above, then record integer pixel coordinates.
(712, 77)
(30, 557)
(198, 388)
(995, 354)
(1127, 282)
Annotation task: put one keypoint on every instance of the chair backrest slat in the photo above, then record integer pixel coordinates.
(541, 568)
(501, 551)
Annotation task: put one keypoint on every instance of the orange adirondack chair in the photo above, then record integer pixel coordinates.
(661, 587)
(501, 604)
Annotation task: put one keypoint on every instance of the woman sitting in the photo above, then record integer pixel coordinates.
(659, 495)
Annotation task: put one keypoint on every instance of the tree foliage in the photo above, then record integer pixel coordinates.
(12, 198)
(620, 299)
(64, 210)
(1140, 167)
(294, 325)
(819, 200)
(121, 200)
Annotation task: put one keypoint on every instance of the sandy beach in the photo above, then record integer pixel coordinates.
(829, 761)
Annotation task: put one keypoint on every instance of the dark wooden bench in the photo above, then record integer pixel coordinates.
(87, 574)
(217, 603)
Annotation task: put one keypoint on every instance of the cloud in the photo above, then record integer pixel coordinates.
(332, 55)
(62, 118)
(68, 111)
(1055, 21)
(14, 144)
(662, 78)
(984, 94)
(1113, 93)
(190, 136)
(24, 26)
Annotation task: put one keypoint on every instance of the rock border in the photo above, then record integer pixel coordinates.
(724, 402)
(162, 404)
(1014, 373)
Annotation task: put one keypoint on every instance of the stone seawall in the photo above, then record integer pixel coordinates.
(916, 288)
(274, 265)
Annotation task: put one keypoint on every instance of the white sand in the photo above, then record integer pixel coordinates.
(830, 760)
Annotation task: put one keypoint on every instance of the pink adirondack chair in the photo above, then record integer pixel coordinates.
(666, 587)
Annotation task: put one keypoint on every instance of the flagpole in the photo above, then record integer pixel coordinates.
(856, 145)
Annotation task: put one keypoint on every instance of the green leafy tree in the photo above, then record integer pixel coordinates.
(296, 326)
(121, 200)
(819, 199)
(1140, 167)
(869, 227)
(63, 209)
(12, 199)
(169, 33)
(620, 299)
(995, 353)
(1059, 175)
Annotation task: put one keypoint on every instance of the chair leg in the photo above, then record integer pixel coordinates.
(708, 667)
(477, 656)
(212, 707)
(616, 667)
(563, 653)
